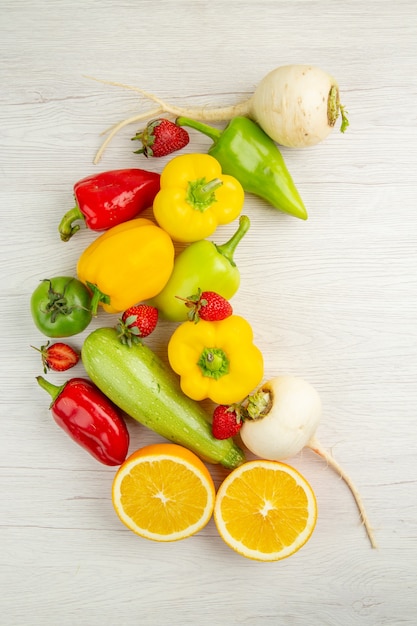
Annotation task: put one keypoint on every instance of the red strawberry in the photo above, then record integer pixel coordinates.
(137, 321)
(227, 421)
(58, 357)
(209, 306)
(161, 137)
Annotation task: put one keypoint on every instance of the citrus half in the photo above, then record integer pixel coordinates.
(265, 510)
(163, 492)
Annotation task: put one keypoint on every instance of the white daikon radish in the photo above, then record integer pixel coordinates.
(281, 418)
(296, 105)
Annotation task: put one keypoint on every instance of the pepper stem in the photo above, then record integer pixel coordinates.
(66, 228)
(210, 131)
(213, 363)
(53, 390)
(228, 249)
(200, 193)
(211, 186)
(97, 297)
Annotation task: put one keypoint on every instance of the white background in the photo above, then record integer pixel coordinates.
(332, 300)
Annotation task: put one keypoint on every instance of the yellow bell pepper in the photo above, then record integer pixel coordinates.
(129, 263)
(216, 360)
(195, 197)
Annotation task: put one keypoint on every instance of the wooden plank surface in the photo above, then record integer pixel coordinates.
(332, 299)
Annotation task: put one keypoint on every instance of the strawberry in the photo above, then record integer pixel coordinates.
(209, 306)
(58, 357)
(161, 137)
(137, 321)
(227, 421)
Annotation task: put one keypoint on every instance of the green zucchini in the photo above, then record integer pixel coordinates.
(146, 389)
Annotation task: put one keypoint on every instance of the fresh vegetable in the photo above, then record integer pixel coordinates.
(296, 105)
(129, 263)
(160, 138)
(216, 360)
(137, 322)
(109, 198)
(145, 388)
(58, 357)
(163, 492)
(265, 510)
(207, 305)
(285, 414)
(61, 306)
(89, 418)
(201, 265)
(246, 152)
(226, 421)
(195, 197)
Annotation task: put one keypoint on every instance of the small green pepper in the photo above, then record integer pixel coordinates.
(201, 265)
(246, 152)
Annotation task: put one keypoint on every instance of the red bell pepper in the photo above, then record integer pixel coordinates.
(110, 198)
(89, 418)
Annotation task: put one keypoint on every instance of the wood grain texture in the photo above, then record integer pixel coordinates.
(333, 299)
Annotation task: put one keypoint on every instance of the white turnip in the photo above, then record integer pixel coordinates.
(281, 418)
(296, 105)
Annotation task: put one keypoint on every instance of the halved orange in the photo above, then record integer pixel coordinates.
(163, 492)
(265, 510)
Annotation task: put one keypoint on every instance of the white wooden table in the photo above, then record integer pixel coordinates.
(332, 300)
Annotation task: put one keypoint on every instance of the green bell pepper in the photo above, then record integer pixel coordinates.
(201, 265)
(246, 152)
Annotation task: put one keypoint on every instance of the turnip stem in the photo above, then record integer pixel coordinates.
(315, 445)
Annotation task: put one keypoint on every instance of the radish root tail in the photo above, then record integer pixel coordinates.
(315, 445)
(205, 114)
(115, 129)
